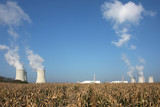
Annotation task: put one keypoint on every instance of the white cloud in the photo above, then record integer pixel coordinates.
(122, 17)
(12, 15)
(4, 47)
(141, 60)
(124, 38)
(12, 33)
(133, 47)
(149, 13)
(120, 13)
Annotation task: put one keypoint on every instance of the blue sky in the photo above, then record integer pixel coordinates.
(75, 40)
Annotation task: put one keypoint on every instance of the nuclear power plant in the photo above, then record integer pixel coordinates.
(21, 74)
(150, 79)
(41, 76)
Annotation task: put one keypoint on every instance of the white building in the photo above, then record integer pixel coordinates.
(119, 82)
(90, 82)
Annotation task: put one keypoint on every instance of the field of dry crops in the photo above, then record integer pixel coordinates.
(79, 95)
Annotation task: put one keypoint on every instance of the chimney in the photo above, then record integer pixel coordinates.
(94, 78)
(150, 79)
(41, 76)
(20, 74)
(122, 78)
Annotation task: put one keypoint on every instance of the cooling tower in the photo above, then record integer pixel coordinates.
(25, 76)
(133, 80)
(20, 74)
(40, 76)
(141, 79)
(150, 79)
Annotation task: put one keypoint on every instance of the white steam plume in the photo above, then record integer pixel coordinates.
(12, 33)
(140, 68)
(123, 16)
(4, 47)
(12, 15)
(131, 69)
(132, 47)
(35, 61)
(12, 57)
(141, 60)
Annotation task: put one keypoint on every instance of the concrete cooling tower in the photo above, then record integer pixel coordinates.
(20, 74)
(141, 79)
(41, 76)
(150, 79)
(133, 80)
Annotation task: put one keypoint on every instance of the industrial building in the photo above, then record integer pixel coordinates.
(90, 82)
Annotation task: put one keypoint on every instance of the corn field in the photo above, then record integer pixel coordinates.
(79, 95)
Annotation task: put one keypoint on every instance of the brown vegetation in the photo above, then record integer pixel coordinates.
(79, 95)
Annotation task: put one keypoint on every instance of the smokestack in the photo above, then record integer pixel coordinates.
(141, 79)
(133, 80)
(94, 78)
(122, 78)
(41, 76)
(150, 79)
(20, 74)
